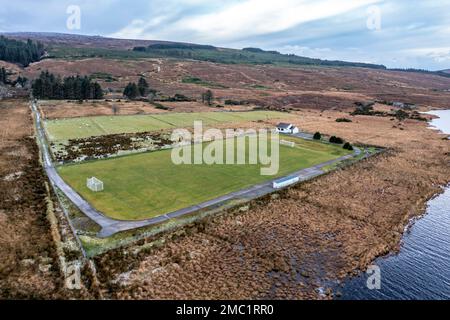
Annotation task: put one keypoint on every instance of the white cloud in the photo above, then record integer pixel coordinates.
(438, 54)
(240, 20)
(327, 29)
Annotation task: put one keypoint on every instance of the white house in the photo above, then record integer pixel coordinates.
(287, 128)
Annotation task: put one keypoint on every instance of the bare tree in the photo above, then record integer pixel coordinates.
(151, 97)
(115, 109)
(208, 97)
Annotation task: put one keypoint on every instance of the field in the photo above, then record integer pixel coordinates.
(59, 130)
(284, 248)
(57, 109)
(291, 246)
(149, 184)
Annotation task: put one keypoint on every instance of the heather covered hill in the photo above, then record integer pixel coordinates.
(250, 76)
(297, 87)
(79, 46)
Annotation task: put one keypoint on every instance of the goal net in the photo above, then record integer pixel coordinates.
(287, 143)
(94, 184)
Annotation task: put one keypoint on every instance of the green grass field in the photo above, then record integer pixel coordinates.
(71, 128)
(149, 184)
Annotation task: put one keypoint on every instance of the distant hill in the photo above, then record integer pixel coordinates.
(79, 41)
(442, 73)
(79, 46)
(244, 56)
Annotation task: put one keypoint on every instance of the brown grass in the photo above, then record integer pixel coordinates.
(302, 87)
(288, 247)
(25, 239)
(71, 109)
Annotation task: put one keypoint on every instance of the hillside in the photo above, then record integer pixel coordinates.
(70, 46)
(249, 77)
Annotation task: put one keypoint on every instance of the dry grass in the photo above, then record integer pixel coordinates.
(71, 109)
(27, 246)
(302, 87)
(288, 247)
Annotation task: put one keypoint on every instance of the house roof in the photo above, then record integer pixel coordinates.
(283, 125)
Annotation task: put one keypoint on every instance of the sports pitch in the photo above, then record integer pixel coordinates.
(84, 127)
(148, 185)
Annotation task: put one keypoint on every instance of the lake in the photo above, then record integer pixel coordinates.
(421, 269)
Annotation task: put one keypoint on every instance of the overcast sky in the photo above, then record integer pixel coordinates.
(396, 33)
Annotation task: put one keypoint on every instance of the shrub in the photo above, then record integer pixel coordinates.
(336, 140)
(160, 106)
(348, 146)
(401, 115)
(317, 136)
(179, 98)
(230, 102)
(343, 120)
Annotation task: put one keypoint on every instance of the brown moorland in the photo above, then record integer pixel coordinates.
(290, 246)
(281, 87)
(28, 260)
(284, 247)
(53, 109)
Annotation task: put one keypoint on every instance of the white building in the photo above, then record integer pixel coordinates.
(287, 128)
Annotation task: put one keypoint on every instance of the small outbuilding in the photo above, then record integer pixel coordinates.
(287, 128)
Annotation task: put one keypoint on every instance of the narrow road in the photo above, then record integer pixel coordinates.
(111, 226)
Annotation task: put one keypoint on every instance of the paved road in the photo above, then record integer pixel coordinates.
(111, 226)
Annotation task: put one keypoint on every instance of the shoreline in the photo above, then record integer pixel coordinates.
(421, 255)
(422, 213)
(289, 247)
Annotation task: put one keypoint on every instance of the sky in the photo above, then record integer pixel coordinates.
(396, 33)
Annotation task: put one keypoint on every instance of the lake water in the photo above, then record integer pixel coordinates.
(421, 269)
(443, 122)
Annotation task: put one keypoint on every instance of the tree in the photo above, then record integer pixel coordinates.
(151, 96)
(401, 115)
(3, 76)
(98, 91)
(21, 80)
(47, 86)
(317, 136)
(208, 97)
(143, 87)
(348, 146)
(20, 52)
(337, 140)
(115, 109)
(131, 91)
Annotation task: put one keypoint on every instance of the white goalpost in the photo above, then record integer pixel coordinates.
(287, 143)
(94, 184)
